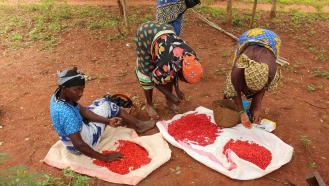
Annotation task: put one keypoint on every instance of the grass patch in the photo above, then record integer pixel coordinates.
(240, 18)
(15, 37)
(76, 179)
(19, 175)
(320, 73)
(207, 2)
(3, 157)
(310, 88)
(312, 49)
(117, 36)
(318, 4)
(305, 141)
(136, 18)
(221, 71)
(298, 18)
(291, 68)
(312, 165)
(212, 11)
(44, 22)
(102, 24)
(237, 22)
(321, 57)
(226, 53)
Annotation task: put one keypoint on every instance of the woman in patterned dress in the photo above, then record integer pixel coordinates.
(162, 59)
(171, 12)
(254, 71)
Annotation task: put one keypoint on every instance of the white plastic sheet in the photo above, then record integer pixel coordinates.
(233, 166)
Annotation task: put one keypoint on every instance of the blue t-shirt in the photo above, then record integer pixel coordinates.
(66, 118)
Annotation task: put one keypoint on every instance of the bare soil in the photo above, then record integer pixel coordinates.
(28, 79)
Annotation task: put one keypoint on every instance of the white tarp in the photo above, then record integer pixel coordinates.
(233, 167)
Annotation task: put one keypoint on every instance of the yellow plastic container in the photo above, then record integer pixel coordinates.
(267, 125)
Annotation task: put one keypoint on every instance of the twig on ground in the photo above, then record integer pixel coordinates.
(314, 105)
(280, 60)
(214, 25)
(122, 73)
(30, 157)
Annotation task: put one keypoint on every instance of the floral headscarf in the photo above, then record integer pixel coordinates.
(172, 54)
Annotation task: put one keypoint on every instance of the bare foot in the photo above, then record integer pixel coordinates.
(144, 126)
(152, 112)
(173, 107)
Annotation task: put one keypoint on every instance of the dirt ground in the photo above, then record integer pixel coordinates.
(28, 78)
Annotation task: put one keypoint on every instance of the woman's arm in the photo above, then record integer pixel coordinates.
(179, 93)
(91, 116)
(85, 149)
(256, 106)
(237, 78)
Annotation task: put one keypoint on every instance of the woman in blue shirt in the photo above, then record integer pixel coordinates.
(80, 128)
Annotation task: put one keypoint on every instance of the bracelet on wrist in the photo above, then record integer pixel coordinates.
(241, 112)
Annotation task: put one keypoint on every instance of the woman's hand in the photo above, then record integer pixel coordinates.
(245, 120)
(256, 116)
(256, 106)
(115, 121)
(112, 157)
(179, 93)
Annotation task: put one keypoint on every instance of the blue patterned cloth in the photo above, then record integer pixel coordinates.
(66, 119)
(262, 37)
(171, 12)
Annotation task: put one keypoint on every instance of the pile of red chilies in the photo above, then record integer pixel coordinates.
(249, 151)
(134, 157)
(196, 128)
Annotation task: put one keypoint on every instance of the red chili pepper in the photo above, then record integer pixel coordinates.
(134, 157)
(196, 128)
(250, 151)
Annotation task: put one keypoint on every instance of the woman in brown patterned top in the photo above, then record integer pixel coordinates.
(254, 71)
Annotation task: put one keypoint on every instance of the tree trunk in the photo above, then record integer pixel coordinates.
(229, 12)
(273, 10)
(253, 13)
(123, 11)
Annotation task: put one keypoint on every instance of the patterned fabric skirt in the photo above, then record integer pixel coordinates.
(144, 80)
(171, 11)
(91, 132)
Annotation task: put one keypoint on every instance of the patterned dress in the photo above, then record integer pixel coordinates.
(171, 11)
(159, 54)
